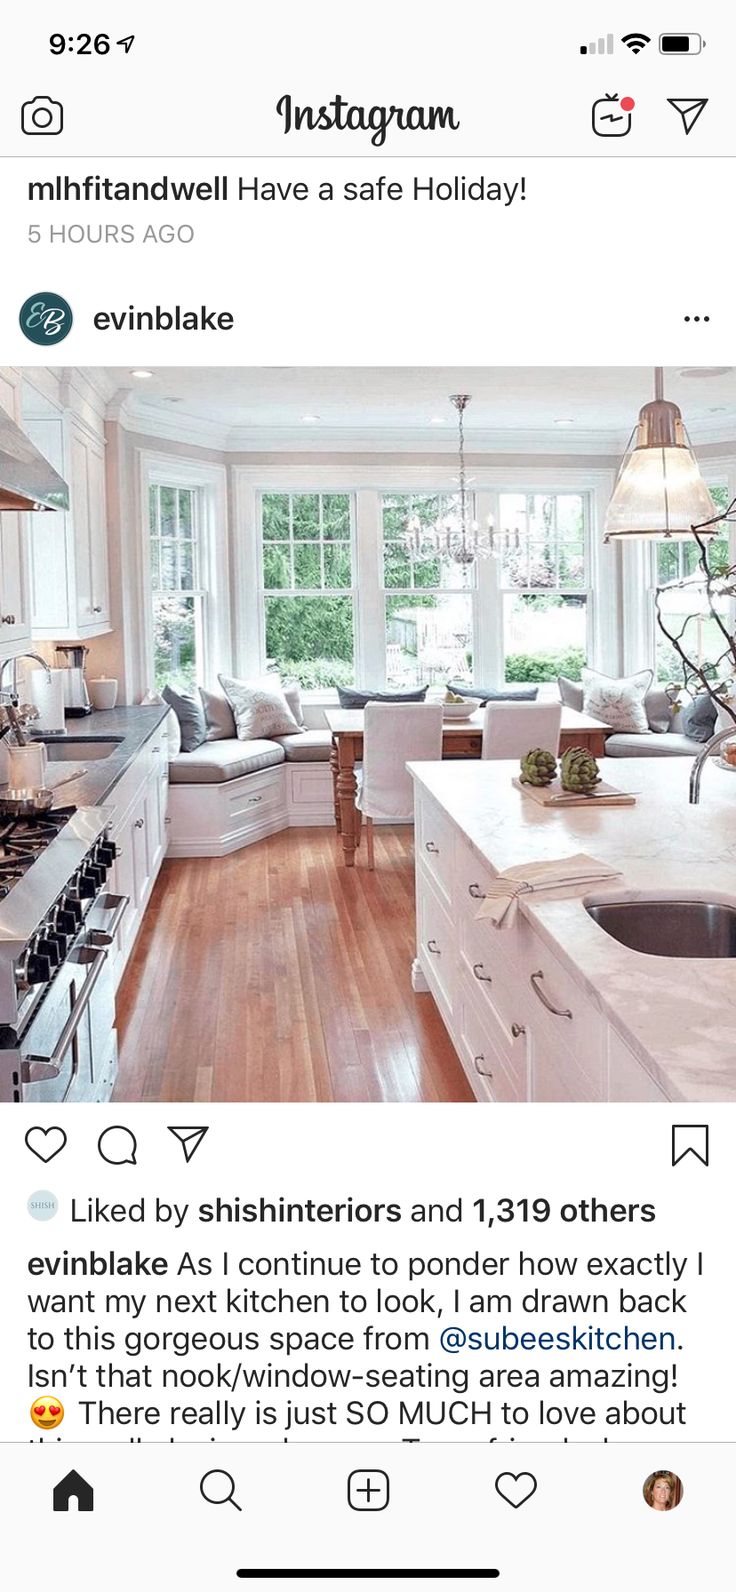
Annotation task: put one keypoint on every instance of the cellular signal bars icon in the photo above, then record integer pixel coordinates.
(598, 47)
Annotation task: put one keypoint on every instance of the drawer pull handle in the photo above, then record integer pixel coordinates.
(253, 799)
(97, 608)
(475, 891)
(7, 619)
(485, 1072)
(433, 947)
(517, 1029)
(483, 978)
(139, 823)
(557, 1011)
(429, 845)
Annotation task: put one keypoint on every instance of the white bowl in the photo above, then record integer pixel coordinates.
(460, 710)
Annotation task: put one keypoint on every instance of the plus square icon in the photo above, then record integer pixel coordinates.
(368, 1489)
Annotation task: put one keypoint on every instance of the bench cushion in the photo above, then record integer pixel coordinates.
(650, 744)
(311, 746)
(216, 761)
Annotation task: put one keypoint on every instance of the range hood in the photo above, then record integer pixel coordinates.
(27, 480)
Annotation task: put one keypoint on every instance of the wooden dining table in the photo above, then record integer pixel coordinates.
(460, 738)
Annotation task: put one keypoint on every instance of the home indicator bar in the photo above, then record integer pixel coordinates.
(371, 1575)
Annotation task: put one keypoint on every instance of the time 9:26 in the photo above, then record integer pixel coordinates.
(88, 43)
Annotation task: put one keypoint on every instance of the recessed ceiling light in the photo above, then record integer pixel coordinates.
(142, 375)
(310, 420)
(565, 421)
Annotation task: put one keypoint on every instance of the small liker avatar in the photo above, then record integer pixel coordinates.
(662, 1491)
(47, 1412)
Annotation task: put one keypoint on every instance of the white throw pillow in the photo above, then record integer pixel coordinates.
(619, 703)
(260, 711)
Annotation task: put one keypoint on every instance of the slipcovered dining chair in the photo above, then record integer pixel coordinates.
(394, 734)
(510, 729)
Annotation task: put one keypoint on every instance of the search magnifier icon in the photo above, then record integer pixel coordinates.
(218, 1487)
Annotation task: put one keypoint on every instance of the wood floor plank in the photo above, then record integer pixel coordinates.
(278, 974)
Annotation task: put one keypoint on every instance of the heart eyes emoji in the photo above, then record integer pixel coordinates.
(47, 1413)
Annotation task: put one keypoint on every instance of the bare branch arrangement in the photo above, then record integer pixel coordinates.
(715, 580)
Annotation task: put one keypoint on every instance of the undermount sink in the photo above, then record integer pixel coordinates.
(670, 926)
(71, 750)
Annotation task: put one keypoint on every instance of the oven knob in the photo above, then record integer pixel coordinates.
(37, 969)
(69, 915)
(106, 853)
(95, 873)
(86, 886)
(61, 940)
(46, 946)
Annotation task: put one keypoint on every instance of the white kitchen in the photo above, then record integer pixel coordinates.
(366, 735)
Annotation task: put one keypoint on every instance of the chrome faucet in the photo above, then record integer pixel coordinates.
(12, 692)
(699, 762)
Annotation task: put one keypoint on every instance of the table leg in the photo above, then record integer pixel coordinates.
(347, 787)
(335, 769)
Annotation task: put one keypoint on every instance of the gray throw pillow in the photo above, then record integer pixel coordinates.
(658, 707)
(698, 718)
(219, 716)
(571, 693)
(350, 697)
(190, 713)
(292, 692)
(486, 693)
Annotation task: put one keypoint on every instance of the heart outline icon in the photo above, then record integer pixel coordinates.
(512, 1481)
(45, 1137)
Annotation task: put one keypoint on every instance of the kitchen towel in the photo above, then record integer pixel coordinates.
(534, 878)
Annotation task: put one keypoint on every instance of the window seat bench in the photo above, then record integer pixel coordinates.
(230, 793)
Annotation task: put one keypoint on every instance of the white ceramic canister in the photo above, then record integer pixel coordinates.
(27, 766)
(103, 693)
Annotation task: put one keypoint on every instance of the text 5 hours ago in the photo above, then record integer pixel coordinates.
(110, 233)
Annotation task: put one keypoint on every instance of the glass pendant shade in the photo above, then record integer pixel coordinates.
(659, 493)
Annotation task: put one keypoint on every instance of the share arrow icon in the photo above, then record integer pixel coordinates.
(690, 110)
(189, 1139)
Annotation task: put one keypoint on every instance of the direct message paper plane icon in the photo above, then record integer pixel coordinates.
(689, 110)
(189, 1139)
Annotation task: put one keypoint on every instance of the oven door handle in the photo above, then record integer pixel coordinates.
(42, 1069)
(104, 937)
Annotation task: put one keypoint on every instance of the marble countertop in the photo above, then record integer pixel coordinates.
(677, 1014)
(133, 725)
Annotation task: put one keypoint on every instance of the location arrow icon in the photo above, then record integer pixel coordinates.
(189, 1139)
(690, 110)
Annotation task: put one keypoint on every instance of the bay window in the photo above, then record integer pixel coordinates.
(543, 542)
(429, 603)
(176, 591)
(684, 608)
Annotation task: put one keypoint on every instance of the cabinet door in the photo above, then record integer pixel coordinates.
(154, 826)
(53, 611)
(90, 532)
(139, 825)
(15, 621)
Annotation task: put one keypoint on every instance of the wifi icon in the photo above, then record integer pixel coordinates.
(636, 42)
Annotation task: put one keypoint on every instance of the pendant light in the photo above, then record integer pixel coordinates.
(659, 493)
(457, 537)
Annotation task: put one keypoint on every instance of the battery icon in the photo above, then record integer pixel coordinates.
(680, 43)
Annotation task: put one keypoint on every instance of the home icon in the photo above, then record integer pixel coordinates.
(73, 1486)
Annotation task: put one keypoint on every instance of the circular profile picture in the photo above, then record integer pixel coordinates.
(46, 318)
(662, 1491)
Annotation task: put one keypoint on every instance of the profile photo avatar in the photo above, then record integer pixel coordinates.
(662, 1491)
(42, 115)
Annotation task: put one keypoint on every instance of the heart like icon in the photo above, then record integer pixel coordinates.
(45, 1142)
(515, 1490)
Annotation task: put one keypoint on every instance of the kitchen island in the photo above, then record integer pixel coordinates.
(553, 1008)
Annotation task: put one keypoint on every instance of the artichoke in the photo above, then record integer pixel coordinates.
(579, 771)
(538, 767)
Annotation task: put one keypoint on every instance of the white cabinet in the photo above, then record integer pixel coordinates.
(140, 833)
(70, 590)
(523, 1026)
(15, 607)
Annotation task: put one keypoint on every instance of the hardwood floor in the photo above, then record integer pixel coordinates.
(278, 974)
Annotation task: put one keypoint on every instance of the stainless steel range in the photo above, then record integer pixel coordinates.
(57, 923)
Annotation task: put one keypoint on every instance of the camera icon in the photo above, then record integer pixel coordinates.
(42, 115)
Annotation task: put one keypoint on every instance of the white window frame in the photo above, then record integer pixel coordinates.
(209, 482)
(715, 472)
(368, 483)
(585, 591)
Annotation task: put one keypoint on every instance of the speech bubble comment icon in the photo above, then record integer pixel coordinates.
(118, 1146)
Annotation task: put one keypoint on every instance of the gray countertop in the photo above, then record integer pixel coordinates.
(135, 725)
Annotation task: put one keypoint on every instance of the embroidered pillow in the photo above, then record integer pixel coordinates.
(619, 703)
(190, 714)
(259, 712)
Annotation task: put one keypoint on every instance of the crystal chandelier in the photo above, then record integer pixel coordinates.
(659, 493)
(456, 536)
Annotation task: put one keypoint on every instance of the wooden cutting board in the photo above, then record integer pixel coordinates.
(554, 796)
